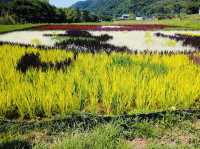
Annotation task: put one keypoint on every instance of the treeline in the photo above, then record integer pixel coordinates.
(40, 11)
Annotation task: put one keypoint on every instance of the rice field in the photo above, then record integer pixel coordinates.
(114, 84)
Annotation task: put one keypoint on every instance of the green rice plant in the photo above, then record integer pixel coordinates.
(170, 43)
(148, 38)
(35, 42)
(121, 60)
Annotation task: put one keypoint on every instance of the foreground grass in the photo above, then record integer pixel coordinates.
(101, 84)
(9, 28)
(169, 132)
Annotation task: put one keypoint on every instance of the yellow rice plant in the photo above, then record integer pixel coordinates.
(101, 84)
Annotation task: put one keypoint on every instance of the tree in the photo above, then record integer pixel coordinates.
(85, 16)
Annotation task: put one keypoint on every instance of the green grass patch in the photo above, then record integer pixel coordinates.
(9, 28)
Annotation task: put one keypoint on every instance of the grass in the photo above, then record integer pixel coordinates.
(169, 132)
(108, 137)
(99, 84)
(191, 22)
(9, 28)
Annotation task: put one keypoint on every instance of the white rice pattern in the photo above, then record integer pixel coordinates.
(134, 40)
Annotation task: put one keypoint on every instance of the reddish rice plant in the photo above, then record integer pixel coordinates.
(100, 28)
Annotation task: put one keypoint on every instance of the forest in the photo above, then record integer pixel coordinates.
(40, 11)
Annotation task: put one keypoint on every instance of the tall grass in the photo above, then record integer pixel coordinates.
(107, 137)
(97, 83)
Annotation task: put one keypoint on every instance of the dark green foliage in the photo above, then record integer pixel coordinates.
(40, 11)
(7, 19)
(75, 15)
(139, 7)
(33, 11)
(16, 144)
(140, 130)
(5, 1)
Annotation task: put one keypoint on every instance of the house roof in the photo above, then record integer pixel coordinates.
(125, 14)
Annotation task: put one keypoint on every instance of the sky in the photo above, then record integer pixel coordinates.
(63, 3)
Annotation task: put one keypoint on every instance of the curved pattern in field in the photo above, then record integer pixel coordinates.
(139, 41)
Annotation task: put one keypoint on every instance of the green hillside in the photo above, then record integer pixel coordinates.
(40, 11)
(139, 7)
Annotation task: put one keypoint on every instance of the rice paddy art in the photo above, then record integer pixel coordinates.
(139, 41)
(108, 71)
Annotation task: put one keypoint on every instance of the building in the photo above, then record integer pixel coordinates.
(139, 18)
(125, 17)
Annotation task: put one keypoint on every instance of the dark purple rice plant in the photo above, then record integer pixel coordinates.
(94, 46)
(78, 33)
(40, 47)
(74, 48)
(188, 40)
(193, 41)
(81, 34)
(32, 60)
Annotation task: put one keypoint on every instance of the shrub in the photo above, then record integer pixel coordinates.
(7, 20)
